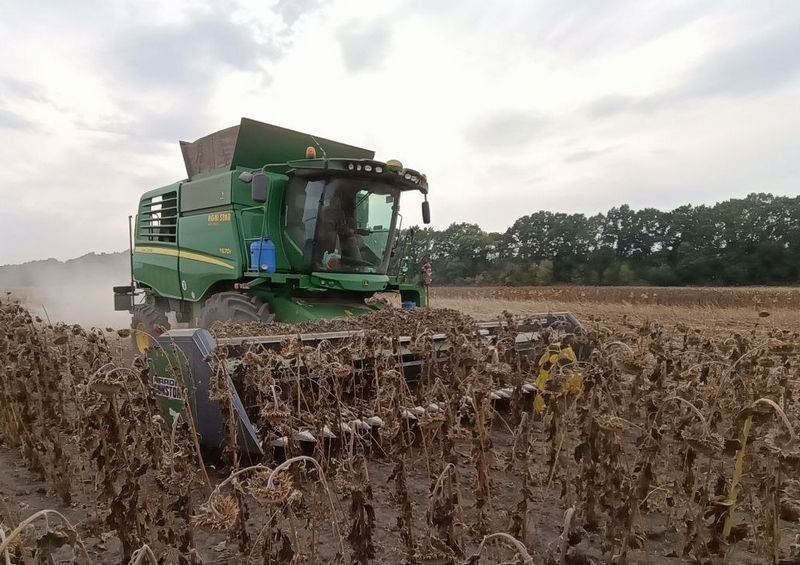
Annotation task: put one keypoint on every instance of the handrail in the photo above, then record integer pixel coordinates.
(245, 239)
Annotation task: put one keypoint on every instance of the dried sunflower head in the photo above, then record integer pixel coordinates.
(218, 513)
(258, 486)
(275, 413)
(16, 545)
(432, 419)
(702, 442)
(340, 370)
(610, 423)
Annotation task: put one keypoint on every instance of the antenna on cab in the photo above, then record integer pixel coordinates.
(321, 148)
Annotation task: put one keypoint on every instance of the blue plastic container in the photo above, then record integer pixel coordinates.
(408, 304)
(263, 257)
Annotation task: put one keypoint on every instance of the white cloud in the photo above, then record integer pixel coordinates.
(509, 107)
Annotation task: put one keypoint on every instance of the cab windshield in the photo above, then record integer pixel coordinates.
(342, 225)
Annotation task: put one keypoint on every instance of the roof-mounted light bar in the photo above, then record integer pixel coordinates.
(392, 166)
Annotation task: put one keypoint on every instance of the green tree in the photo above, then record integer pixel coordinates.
(544, 273)
(753, 240)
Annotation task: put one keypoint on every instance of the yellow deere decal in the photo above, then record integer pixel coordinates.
(157, 251)
(205, 259)
(201, 257)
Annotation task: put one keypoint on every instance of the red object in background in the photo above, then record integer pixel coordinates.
(427, 276)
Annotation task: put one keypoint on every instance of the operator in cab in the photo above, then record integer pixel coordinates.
(337, 238)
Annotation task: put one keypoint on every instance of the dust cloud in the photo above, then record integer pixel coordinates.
(78, 291)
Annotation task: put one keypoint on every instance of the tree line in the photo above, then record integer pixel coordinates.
(747, 241)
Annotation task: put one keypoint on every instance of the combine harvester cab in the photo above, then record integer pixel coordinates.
(270, 225)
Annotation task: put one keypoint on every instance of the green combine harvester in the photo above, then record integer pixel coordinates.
(270, 224)
(275, 225)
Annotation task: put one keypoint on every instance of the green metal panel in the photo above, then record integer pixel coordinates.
(155, 257)
(169, 376)
(281, 279)
(415, 293)
(207, 192)
(159, 191)
(355, 282)
(210, 251)
(254, 224)
(156, 266)
(293, 310)
(259, 144)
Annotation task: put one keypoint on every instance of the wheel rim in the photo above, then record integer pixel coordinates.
(142, 339)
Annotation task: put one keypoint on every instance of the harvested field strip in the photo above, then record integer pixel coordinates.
(718, 297)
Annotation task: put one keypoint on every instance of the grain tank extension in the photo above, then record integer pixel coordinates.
(270, 224)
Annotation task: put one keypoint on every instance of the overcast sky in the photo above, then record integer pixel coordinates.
(509, 107)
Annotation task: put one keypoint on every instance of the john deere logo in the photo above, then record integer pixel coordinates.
(365, 283)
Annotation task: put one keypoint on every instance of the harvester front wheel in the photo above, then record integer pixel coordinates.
(234, 307)
(148, 321)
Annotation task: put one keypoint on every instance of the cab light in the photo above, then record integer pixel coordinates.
(378, 169)
(311, 152)
(368, 168)
(394, 165)
(351, 166)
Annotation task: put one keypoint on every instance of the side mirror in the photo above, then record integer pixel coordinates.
(426, 212)
(259, 187)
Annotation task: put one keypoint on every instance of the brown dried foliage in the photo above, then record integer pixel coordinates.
(631, 458)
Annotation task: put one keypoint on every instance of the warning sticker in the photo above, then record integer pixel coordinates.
(166, 388)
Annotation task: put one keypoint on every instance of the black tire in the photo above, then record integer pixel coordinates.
(147, 321)
(234, 307)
